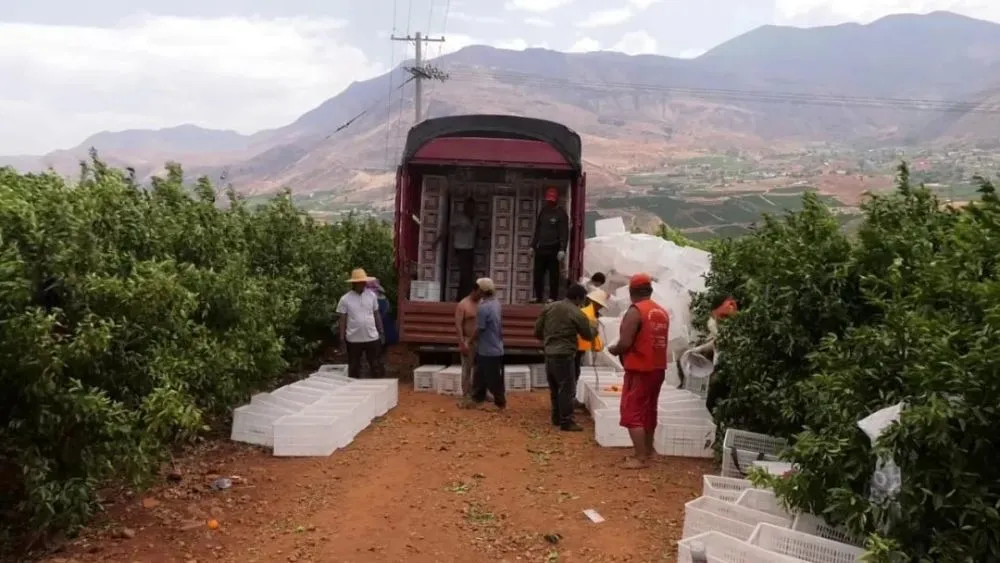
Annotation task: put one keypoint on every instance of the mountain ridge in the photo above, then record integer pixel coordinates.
(771, 88)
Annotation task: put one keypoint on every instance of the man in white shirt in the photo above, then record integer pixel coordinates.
(464, 232)
(360, 325)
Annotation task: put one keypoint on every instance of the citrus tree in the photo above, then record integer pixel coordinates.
(832, 329)
(130, 315)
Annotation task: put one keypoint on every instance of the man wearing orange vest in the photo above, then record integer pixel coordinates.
(597, 299)
(642, 347)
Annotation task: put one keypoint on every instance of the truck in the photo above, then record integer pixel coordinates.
(504, 164)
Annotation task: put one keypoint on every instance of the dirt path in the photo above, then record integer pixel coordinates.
(427, 483)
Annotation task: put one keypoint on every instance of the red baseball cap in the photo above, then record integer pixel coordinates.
(640, 280)
(551, 194)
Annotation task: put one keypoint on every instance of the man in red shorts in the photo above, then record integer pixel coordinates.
(642, 346)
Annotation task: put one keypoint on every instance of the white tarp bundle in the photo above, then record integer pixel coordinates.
(676, 271)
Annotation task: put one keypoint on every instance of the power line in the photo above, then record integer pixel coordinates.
(392, 69)
(762, 96)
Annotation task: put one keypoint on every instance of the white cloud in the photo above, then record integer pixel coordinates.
(538, 22)
(690, 53)
(606, 18)
(636, 43)
(585, 45)
(824, 12)
(535, 6)
(462, 16)
(643, 4)
(519, 45)
(459, 41)
(157, 71)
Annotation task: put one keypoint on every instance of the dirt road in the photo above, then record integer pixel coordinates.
(426, 483)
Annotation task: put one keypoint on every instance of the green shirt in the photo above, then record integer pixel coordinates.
(558, 326)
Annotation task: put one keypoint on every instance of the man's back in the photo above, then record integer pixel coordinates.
(490, 327)
(561, 323)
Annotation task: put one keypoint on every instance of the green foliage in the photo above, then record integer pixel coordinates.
(128, 315)
(832, 329)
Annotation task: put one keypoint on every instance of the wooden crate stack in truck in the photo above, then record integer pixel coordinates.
(504, 165)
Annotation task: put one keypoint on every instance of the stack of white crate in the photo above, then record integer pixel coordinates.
(314, 416)
(539, 379)
(735, 522)
(517, 378)
(448, 381)
(684, 426)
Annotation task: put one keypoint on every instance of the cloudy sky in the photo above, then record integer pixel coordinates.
(70, 68)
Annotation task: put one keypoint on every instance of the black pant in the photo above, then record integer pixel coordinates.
(373, 354)
(466, 262)
(546, 263)
(489, 377)
(560, 372)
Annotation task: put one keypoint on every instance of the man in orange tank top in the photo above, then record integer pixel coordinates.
(642, 347)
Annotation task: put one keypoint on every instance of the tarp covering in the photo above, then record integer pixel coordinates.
(558, 136)
(676, 271)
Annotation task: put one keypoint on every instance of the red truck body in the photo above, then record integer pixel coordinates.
(505, 143)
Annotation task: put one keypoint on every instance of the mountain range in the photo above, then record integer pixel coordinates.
(904, 79)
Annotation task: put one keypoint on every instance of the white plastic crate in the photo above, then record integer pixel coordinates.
(423, 377)
(696, 413)
(254, 423)
(607, 430)
(539, 380)
(804, 546)
(709, 514)
(364, 400)
(724, 488)
(684, 437)
(588, 381)
(741, 448)
(448, 381)
(299, 395)
(333, 369)
(425, 291)
(349, 422)
(816, 526)
(721, 548)
(517, 378)
(599, 403)
(278, 401)
(306, 436)
(671, 395)
(764, 501)
(386, 393)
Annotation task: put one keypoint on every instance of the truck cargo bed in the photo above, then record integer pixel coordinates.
(426, 322)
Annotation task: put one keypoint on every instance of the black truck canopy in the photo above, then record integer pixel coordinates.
(558, 136)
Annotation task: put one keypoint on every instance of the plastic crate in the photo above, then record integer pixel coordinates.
(709, 514)
(672, 395)
(269, 399)
(364, 400)
(448, 381)
(333, 369)
(350, 422)
(589, 381)
(721, 548)
(517, 378)
(816, 526)
(307, 436)
(387, 393)
(423, 377)
(741, 448)
(298, 395)
(254, 423)
(696, 413)
(425, 291)
(724, 488)
(539, 379)
(607, 430)
(684, 437)
(764, 501)
(804, 546)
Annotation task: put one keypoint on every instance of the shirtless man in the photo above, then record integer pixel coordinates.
(465, 325)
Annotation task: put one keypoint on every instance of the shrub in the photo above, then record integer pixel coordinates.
(130, 314)
(832, 329)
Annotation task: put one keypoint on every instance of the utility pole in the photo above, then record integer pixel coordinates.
(418, 72)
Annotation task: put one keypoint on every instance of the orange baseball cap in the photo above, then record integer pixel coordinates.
(551, 194)
(640, 280)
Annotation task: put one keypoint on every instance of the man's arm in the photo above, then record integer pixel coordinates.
(629, 328)
(378, 321)
(563, 230)
(540, 323)
(534, 233)
(342, 321)
(459, 323)
(482, 320)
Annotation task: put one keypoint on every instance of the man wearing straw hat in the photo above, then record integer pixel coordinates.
(597, 299)
(360, 324)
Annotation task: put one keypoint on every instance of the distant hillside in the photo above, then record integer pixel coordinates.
(771, 89)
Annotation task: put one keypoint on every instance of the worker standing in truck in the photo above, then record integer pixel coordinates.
(464, 231)
(549, 244)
